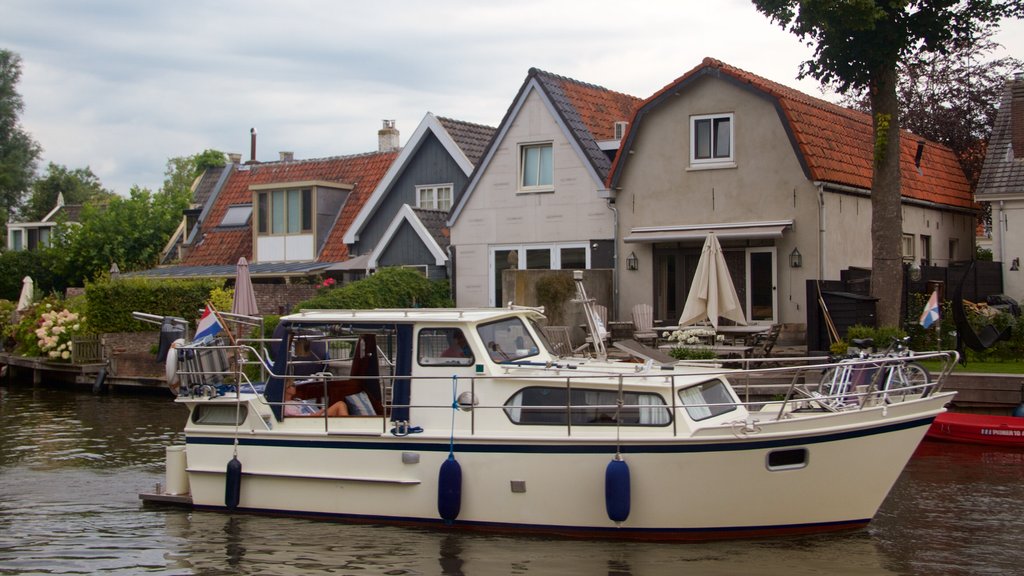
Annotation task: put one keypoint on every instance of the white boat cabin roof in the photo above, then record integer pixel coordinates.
(412, 315)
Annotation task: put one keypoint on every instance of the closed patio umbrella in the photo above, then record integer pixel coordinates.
(27, 294)
(712, 293)
(245, 298)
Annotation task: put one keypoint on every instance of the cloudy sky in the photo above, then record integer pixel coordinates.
(123, 85)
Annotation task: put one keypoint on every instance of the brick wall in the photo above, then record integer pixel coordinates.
(281, 298)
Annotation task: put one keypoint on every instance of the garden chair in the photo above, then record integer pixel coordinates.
(643, 325)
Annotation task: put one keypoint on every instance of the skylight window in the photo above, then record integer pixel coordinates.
(237, 215)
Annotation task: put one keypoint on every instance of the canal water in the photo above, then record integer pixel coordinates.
(72, 465)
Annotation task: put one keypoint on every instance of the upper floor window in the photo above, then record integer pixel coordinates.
(536, 169)
(711, 139)
(434, 197)
(284, 211)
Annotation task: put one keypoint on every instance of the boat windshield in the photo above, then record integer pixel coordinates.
(507, 340)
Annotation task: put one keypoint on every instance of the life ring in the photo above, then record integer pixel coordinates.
(171, 365)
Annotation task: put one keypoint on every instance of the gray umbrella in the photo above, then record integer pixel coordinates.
(245, 297)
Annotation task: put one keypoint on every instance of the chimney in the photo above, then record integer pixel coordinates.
(1017, 115)
(235, 157)
(387, 137)
(287, 156)
(252, 145)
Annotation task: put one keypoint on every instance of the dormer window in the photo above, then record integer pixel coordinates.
(285, 211)
(711, 138)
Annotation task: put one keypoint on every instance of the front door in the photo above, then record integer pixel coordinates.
(761, 301)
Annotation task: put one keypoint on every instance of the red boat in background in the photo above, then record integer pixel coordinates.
(988, 429)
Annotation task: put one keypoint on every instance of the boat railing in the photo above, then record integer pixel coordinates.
(775, 392)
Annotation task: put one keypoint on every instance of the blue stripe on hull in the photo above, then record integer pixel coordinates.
(562, 448)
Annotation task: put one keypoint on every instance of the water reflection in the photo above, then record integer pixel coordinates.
(72, 464)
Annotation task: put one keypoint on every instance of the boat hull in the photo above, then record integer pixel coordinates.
(987, 429)
(692, 489)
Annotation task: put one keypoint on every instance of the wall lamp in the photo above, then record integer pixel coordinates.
(632, 262)
(796, 259)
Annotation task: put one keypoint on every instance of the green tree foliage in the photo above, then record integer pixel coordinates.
(182, 171)
(79, 186)
(858, 45)
(18, 151)
(388, 288)
(130, 232)
(41, 265)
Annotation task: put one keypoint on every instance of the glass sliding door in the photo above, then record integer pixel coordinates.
(761, 300)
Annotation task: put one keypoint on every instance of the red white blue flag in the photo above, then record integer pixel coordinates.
(931, 310)
(208, 325)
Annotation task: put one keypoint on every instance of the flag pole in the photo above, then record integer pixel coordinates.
(224, 324)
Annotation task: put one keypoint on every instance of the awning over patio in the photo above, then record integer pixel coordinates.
(698, 232)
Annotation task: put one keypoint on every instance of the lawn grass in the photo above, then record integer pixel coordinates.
(935, 366)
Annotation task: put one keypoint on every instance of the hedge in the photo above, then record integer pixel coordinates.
(388, 288)
(111, 302)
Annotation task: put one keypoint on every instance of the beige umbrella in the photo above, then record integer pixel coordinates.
(27, 294)
(712, 294)
(245, 298)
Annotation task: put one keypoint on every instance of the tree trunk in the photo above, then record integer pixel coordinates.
(886, 212)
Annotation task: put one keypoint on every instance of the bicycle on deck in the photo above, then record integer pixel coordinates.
(858, 376)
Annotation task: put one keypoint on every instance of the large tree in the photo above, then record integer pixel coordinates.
(952, 98)
(19, 153)
(182, 171)
(78, 186)
(127, 231)
(858, 44)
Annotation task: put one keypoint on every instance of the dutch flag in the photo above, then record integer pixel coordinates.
(931, 310)
(208, 324)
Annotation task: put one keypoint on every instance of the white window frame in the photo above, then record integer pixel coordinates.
(541, 187)
(907, 247)
(713, 161)
(521, 249)
(434, 202)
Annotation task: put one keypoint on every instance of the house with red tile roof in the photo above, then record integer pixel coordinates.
(784, 181)
(537, 199)
(403, 221)
(287, 218)
(1002, 185)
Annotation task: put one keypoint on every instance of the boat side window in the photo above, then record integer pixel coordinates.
(443, 347)
(507, 340)
(558, 406)
(788, 459)
(706, 400)
(219, 415)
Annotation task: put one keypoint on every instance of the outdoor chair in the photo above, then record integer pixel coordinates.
(766, 341)
(643, 325)
(560, 340)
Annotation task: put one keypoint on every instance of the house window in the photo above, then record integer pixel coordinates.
(908, 247)
(954, 243)
(535, 167)
(284, 212)
(926, 250)
(711, 139)
(17, 243)
(434, 197)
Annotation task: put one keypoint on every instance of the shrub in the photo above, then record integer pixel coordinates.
(553, 291)
(388, 288)
(47, 328)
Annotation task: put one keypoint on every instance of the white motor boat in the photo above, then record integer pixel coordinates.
(465, 418)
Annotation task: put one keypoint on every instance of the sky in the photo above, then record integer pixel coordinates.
(121, 86)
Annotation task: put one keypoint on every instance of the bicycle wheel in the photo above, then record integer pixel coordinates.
(917, 377)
